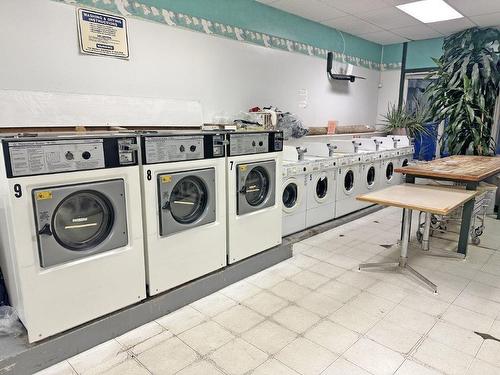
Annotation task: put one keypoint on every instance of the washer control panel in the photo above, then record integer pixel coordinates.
(248, 143)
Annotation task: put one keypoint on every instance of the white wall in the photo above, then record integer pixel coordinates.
(39, 47)
(388, 92)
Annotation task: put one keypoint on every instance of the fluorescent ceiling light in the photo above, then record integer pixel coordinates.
(429, 11)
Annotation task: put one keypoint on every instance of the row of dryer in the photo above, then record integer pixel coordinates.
(321, 180)
(94, 223)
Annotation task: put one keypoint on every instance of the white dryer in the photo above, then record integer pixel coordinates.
(71, 242)
(321, 183)
(294, 196)
(184, 206)
(254, 170)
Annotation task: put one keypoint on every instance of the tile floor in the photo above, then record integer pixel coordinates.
(317, 314)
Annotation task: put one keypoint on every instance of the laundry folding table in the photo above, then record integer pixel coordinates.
(409, 197)
(464, 169)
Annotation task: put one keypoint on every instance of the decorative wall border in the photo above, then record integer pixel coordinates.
(131, 8)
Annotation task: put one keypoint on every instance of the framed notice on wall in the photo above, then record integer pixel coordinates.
(102, 34)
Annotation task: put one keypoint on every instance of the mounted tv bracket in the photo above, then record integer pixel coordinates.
(344, 76)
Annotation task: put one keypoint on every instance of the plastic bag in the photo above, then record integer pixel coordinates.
(291, 126)
(9, 322)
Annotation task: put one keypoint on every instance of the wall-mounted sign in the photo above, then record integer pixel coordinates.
(102, 34)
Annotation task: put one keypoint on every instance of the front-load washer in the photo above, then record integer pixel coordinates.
(254, 162)
(184, 206)
(294, 196)
(321, 184)
(349, 185)
(390, 161)
(71, 242)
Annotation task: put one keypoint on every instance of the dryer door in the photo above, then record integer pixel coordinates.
(77, 221)
(186, 199)
(256, 186)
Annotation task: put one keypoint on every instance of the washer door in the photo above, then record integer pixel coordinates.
(389, 171)
(256, 186)
(349, 181)
(290, 196)
(186, 199)
(370, 176)
(321, 185)
(405, 163)
(77, 221)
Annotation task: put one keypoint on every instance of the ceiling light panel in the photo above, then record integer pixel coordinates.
(428, 11)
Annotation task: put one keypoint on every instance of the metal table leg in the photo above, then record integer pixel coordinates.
(463, 240)
(426, 242)
(402, 265)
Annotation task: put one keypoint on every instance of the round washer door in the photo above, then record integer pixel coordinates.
(321, 187)
(82, 220)
(405, 163)
(188, 200)
(290, 196)
(389, 171)
(370, 177)
(257, 184)
(348, 181)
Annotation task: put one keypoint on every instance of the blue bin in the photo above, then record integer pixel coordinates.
(425, 144)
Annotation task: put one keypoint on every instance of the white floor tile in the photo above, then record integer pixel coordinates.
(273, 367)
(239, 319)
(355, 319)
(340, 292)
(319, 303)
(482, 368)
(306, 357)
(99, 358)
(151, 342)
(428, 304)
(374, 357)
(240, 291)
(303, 261)
(309, 279)
(332, 336)
(456, 337)
(181, 320)
(138, 335)
(326, 269)
(372, 304)
(478, 304)
(468, 319)
(265, 279)
(265, 303)
(206, 337)
(269, 337)
(358, 279)
(129, 367)
(213, 304)
(443, 358)
(168, 357)
(344, 367)
(296, 318)
(285, 269)
(343, 261)
(62, 368)
(410, 367)
(411, 319)
(238, 357)
(200, 368)
(393, 336)
(290, 291)
(490, 352)
(389, 291)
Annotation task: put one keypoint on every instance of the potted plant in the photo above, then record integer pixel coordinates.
(465, 90)
(399, 121)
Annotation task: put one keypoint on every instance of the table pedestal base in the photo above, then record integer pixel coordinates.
(401, 266)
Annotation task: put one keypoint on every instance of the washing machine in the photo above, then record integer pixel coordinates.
(321, 183)
(294, 197)
(71, 228)
(349, 185)
(254, 181)
(183, 178)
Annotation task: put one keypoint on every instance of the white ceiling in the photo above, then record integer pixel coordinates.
(381, 22)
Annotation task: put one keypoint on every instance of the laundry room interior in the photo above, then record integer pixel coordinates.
(250, 187)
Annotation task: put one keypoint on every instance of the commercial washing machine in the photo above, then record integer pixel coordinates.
(294, 197)
(71, 242)
(349, 185)
(254, 162)
(321, 182)
(184, 206)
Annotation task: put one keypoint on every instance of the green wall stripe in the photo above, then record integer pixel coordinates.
(248, 21)
(420, 53)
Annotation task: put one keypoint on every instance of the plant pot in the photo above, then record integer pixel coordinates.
(399, 131)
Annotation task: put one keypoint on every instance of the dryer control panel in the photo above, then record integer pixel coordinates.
(29, 157)
(171, 148)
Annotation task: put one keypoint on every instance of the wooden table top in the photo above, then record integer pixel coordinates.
(436, 200)
(458, 168)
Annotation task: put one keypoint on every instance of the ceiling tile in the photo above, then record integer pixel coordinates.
(352, 25)
(384, 37)
(388, 18)
(417, 32)
(492, 19)
(356, 6)
(475, 7)
(311, 9)
(451, 26)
